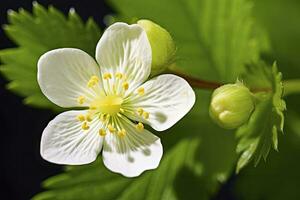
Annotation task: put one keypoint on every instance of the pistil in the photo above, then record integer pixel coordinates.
(108, 107)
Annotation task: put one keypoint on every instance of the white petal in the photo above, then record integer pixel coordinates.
(167, 99)
(64, 142)
(131, 155)
(125, 48)
(63, 75)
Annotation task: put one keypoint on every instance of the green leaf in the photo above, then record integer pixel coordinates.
(279, 178)
(94, 182)
(190, 158)
(215, 38)
(280, 19)
(261, 132)
(35, 34)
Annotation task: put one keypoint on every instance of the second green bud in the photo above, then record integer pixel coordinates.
(231, 105)
(162, 45)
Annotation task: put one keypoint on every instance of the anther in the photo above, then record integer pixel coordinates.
(139, 126)
(102, 132)
(125, 85)
(141, 91)
(80, 118)
(119, 75)
(85, 126)
(88, 118)
(122, 110)
(111, 128)
(122, 133)
(93, 81)
(81, 99)
(103, 117)
(95, 78)
(146, 115)
(107, 76)
(140, 111)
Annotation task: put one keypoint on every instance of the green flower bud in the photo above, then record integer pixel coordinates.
(162, 45)
(231, 105)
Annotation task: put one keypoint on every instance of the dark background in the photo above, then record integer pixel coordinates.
(22, 169)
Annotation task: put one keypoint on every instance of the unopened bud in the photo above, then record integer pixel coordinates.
(231, 105)
(162, 45)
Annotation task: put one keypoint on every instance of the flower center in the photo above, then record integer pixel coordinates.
(110, 104)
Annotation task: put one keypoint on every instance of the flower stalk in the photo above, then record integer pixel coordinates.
(291, 86)
(198, 83)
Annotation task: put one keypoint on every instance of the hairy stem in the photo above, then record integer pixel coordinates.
(197, 83)
(290, 86)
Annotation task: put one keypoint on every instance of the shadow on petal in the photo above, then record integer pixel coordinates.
(160, 117)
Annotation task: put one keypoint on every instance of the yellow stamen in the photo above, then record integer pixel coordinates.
(93, 81)
(81, 99)
(102, 132)
(107, 76)
(80, 118)
(140, 111)
(88, 118)
(141, 91)
(119, 75)
(139, 126)
(111, 128)
(125, 85)
(122, 110)
(95, 78)
(85, 126)
(122, 133)
(114, 88)
(103, 117)
(146, 115)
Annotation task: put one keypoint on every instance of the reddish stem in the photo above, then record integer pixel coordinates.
(202, 84)
(194, 82)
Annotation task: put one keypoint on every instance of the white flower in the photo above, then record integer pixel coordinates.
(115, 100)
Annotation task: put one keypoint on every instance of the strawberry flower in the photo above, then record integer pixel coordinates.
(115, 102)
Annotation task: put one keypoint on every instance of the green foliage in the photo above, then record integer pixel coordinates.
(215, 38)
(279, 178)
(95, 182)
(35, 34)
(261, 132)
(280, 19)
